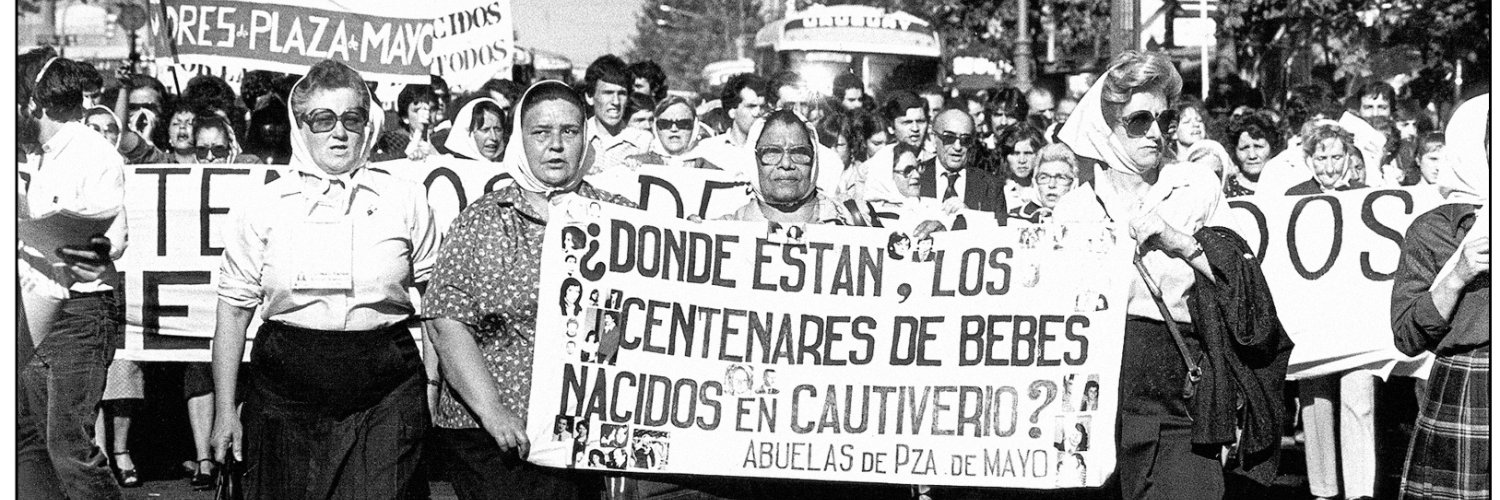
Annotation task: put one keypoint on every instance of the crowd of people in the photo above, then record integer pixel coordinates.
(338, 401)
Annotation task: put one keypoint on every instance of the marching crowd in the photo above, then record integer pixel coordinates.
(339, 401)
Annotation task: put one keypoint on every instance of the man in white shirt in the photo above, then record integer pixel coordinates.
(75, 184)
(907, 115)
(744, 96)
(607, 84)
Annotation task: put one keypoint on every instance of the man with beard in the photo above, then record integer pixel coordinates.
(962, 184)
(607, 84)
(76, 182)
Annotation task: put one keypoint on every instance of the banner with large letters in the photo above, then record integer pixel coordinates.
(176, 213)
(466, 41)
(1330, 260)
(984, 357)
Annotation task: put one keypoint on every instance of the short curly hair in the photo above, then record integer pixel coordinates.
(1134, 72)
(1259, 124)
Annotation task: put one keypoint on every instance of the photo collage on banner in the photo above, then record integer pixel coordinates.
(984, 357)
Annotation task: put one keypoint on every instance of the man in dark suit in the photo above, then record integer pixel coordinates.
(952, 175)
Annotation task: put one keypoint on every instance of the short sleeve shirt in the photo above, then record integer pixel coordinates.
(487, 278)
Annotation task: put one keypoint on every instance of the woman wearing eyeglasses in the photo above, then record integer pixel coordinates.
(1056, 174)
(214, 142)
(334, 405)
(1124, 123)
(676, 133)
(785, 186)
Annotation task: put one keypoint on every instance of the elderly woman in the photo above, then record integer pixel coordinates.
(484, 301)
(335, 385)
(677, 131)
(1124, 123)
(785, 193)
(896, 193)
(785, 187)
(1055, 174)
(1255, 139)
(1331, 155)
(481, 131)
(1441, 303)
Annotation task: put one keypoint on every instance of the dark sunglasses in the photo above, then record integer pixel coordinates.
(207, 152)
(948, 138)
(683, 124)
(772, 155)
(323, 120)
(1137, 124)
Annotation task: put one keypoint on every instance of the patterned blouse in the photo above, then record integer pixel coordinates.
(487, 277)
(1234, 189)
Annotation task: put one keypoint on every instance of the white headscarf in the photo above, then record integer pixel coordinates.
(880, 183)
(112, 116)
(518, 166)
(302, 160)
(693, 134)
(460, 140)
(1467, 180)
(1087, 132)
(753, 138)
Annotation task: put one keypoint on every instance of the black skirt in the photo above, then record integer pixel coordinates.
(334, 414)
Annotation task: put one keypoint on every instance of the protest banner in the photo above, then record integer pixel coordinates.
(1330, 260)
(176, 213)
(677, 192)
(466, 42)
(985, 357)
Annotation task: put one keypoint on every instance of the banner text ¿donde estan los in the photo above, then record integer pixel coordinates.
(984, 357)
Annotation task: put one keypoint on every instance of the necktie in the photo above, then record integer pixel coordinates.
(952, 191)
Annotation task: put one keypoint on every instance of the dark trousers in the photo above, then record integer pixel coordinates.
(59, 392)
(1156, 456)
(480, 470)
(334, 415)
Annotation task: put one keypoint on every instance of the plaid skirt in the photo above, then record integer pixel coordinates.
(1450, 449)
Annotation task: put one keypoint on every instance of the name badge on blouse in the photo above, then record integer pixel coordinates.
(323, 256)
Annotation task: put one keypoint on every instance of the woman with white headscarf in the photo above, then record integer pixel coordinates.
(479, 131)
(1124, 123)
(896, 191)
(1441, 303)
(676, 131)
(784, 184)
(334, 405)
(483, 300)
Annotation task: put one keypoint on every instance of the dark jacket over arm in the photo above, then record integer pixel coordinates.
(1246, 353)
(1415, 321)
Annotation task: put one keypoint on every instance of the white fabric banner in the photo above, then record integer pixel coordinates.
(464, 41)
(827, 352)
(1330, 261)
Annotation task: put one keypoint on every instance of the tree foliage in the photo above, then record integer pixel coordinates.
(1356, 40)
(988, 28)
(697, 33)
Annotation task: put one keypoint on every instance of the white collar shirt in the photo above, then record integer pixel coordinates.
(313, 254)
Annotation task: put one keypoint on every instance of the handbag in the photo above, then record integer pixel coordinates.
(1194, 368)
(231, 473)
